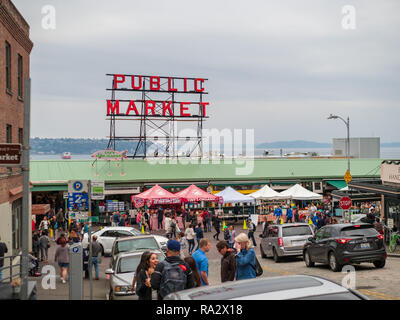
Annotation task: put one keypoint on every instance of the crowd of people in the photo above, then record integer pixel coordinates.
(179, 271)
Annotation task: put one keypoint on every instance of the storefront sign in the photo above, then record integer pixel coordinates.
(390, 173)
(10, 154)
(390, 223)
(97, 190)
(345, 203)
(109, 154)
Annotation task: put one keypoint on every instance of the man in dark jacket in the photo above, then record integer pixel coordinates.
(3, 251)
(228, 261)
(160, 216)
(163, 285)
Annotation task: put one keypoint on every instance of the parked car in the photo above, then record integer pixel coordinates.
(132, 244)
(107, 236)
(123, 271)
(284, 240)
(297, 287)
(340, 244)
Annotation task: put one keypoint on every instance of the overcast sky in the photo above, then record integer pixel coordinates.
(278, 67)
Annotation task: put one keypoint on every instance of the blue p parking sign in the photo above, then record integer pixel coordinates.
(77, 186)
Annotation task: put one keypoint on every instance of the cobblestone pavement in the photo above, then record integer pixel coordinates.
(374, 283)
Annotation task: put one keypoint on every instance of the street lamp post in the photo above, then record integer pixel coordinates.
(347, 123)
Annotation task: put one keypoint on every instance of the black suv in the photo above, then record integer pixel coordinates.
(340, 244)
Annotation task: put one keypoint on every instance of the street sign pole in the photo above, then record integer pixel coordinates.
(25, 196)
(90, 239)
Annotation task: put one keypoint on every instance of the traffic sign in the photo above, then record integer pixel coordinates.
(77, 186)
(97, 189)
(347, 177)
(78, 201)
(345, 203)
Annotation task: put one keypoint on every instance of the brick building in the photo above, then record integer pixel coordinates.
(15, 48)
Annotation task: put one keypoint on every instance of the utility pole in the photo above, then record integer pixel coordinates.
(25, 196)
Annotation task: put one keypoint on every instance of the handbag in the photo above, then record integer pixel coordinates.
(257, 268)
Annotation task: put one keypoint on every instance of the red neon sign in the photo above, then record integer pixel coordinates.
(158, 108)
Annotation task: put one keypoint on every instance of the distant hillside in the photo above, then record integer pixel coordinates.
(390, 145)
(75, 146)
(294, 144)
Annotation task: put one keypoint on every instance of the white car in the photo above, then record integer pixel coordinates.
(122, 272)
(107, 236)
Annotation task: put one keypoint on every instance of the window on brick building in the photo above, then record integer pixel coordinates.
(9, 133)
(8, 66)
(21, 136)
(20, 86)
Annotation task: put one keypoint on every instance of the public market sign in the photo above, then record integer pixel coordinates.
(158, 108)
(109, 154)
(10, 154)
(345, 203)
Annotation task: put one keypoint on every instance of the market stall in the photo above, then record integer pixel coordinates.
(230, 195)
(195, 194)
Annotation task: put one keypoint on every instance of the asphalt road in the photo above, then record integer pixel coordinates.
(374, 283)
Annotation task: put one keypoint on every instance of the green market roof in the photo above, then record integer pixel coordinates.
(58, 172)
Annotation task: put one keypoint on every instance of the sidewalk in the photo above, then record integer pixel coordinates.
(61, 292)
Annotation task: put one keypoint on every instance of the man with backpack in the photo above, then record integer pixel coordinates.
(172, 274)
(252, 228)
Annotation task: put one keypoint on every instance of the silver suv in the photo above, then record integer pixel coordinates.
(284, 240)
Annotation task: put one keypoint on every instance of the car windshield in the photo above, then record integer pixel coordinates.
(136, 232)
(136, 244)
(296, 231)
(129, 264)
(361, 231)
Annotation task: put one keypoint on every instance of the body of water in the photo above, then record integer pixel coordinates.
(386, 153)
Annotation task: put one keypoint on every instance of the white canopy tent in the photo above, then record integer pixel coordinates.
(230, 195)
(267, 193)
(297, 192)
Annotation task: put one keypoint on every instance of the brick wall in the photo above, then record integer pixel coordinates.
(14, 30)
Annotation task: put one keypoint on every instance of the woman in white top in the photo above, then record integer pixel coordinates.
(190, 234)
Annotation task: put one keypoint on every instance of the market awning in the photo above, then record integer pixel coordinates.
(121, 191)
(339, 184)
(40, 208)
(41, 188)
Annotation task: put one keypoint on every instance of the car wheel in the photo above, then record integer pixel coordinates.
(263, 255)
(276, 257)
(379, 263)
(333, 263)
(307, 259)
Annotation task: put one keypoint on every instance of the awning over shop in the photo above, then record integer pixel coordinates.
(339, 184)
(121, 191)
(376, 187)
(39, 188)
(40, 209)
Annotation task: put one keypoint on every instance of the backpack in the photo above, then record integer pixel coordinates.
(173, 278)
(257, 268)
(226, 235)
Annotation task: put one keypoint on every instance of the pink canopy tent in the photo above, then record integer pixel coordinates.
(195, 194)
(154, 196)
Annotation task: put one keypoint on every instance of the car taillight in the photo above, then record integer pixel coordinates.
(342, 240)
(380, 237)
(357, 226)
(280, 242)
